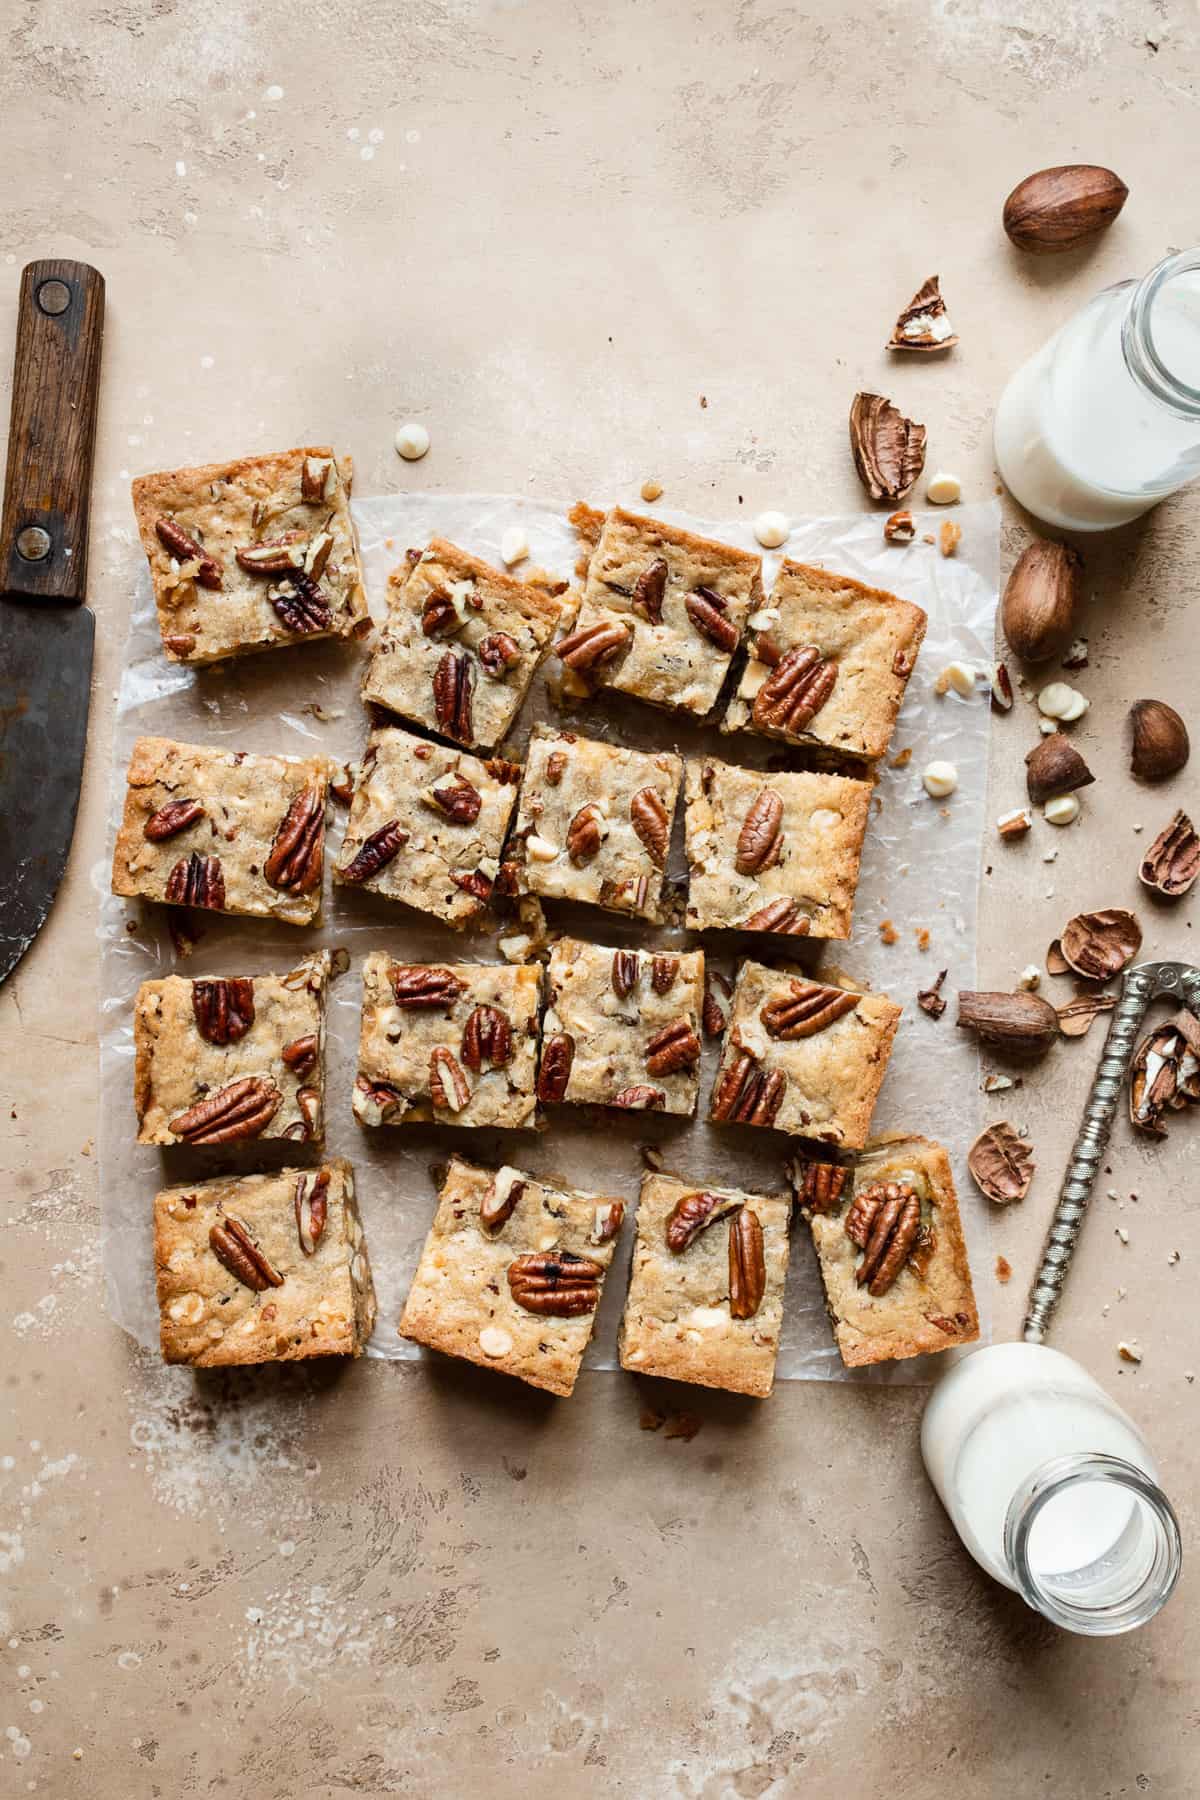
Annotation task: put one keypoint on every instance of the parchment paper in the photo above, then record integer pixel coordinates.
(920, 870)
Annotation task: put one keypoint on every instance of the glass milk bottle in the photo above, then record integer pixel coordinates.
(1104, 420)
(1051, 1488)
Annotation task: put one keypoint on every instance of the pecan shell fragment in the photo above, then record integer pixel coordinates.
(557, 1284)
(806, 1008)
(375, 853)
(244, 1109)
(888, 449)
(747, 1264)
(795, 690)
(197, 881)
(223, 1010)
(759, 840)
(1001, 1163)
(171, 819)
(1166, 1072)
(1098, 945)
(231, 1243)
(1172, 862)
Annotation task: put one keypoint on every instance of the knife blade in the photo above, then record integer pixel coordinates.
(46, 633)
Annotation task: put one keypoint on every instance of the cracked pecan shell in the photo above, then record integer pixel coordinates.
(795, 690)
(244, 1109)
(888, 449)
(197, 881)
(557, 1283)
(1171, 864)
(747, 1264)
(171, 819)
(487, 1038)
(223, 1010)
(296, 854)
(805, 1008)
(760, 839)
(232, 1244)
(376, 852)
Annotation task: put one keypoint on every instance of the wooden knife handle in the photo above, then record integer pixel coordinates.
(52, 435)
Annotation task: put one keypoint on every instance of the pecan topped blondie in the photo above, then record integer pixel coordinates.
(455, 1042)
(595, 823)
(804, 1055)
(512, 1273)
(706, 1288)
(773, 852)
(461, 644)
(892, 1257)
(220, 1060)
(427, 825)
(249, 554)
(829, 662)
(263, 1268)
(223, 830)
(622, 1028)
(662, 614)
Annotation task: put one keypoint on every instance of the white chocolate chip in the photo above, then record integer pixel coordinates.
(1059, 700)
(514, 546)
(651, 489)
(705, 1318)
(1030, 978)
(944, 489)
(541, 849)
(1063, 809)
(823, 818)
(940, 778)
(516, 948)
(412, 440)
(188, 1309)
(764, 618)
(494, 1342)
(1047, 727)
(957, 675)
(772, 529)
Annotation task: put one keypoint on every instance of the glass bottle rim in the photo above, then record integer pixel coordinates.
(1158, 1583)
(1142, 357)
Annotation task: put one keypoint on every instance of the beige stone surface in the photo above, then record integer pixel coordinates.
(551, 233)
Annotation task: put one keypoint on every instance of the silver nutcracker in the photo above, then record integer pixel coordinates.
(1142, 984)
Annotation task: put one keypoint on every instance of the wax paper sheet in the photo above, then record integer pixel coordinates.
(920, 871)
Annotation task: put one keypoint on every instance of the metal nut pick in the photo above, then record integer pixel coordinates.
(1142, 984)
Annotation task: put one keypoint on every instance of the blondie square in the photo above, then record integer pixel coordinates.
(804, 1056)
(622, 1028)
(893, 1259)
(218, 1061)
(662, 614)
(263, 1268)
(427, 825)
(461, 644)
(223, 830)
(705, 1297)
(455, 1043)
(249, 554)
(773, 852)
(512, 1273)
(595, 822)
(829, 662)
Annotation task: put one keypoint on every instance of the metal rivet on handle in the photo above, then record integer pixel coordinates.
(54, 297)
(33, 544)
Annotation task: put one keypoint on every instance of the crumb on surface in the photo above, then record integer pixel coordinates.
(902, 758)
(921, 933)
(1003, 1269)
(888, 932)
